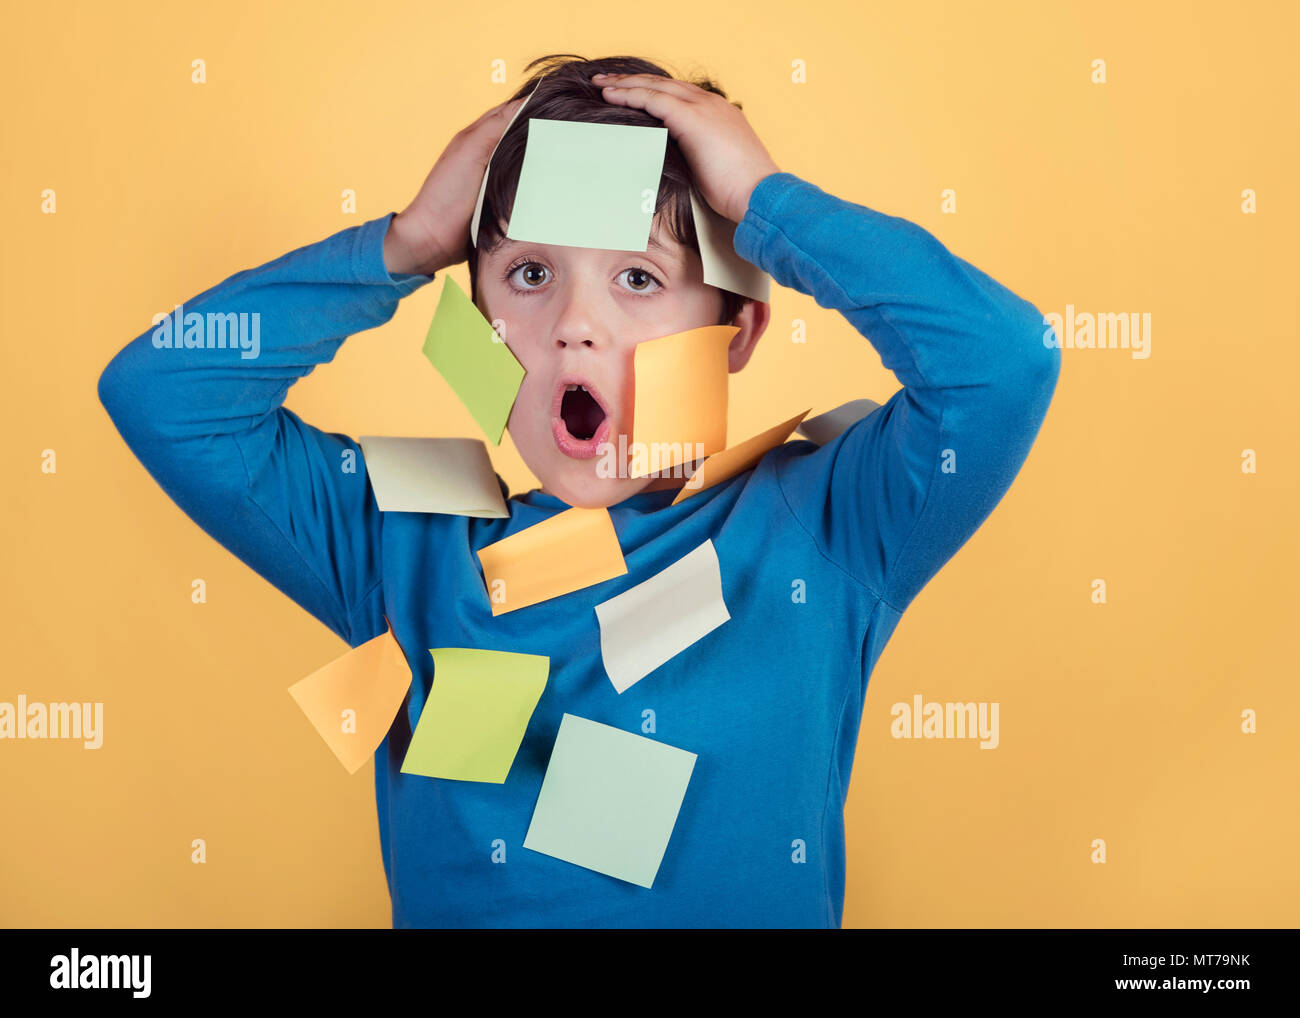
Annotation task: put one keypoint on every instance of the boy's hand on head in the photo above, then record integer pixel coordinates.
(725, 155)
(432, 232)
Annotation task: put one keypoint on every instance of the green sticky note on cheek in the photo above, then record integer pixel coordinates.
(609, 800)
(588, 185)
(477, 712)
(467, 352)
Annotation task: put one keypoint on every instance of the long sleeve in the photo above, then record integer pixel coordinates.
(203, 413)
(894, 497)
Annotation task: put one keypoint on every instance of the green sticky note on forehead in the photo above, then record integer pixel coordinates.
(588, 185)
(469, 354)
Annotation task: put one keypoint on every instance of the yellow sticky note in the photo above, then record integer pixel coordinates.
(738, 458)
(680, 402)
(352, 701)
(477, 712)
(569, 551)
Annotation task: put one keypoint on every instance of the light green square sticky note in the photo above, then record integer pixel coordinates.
(588, 185)
(609, 800)
(469, 354)
(477, 711)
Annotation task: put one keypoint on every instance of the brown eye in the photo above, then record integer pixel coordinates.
(639, 280)
(534, 274)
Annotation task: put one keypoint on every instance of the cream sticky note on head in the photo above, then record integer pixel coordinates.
(571, 550)
(469, 354)
(433, 475)
(352, 701)
(482, 188)
(680, 399)
(588, 185)
(826, 427)
(649, 624)
(724, 268)
(609, 800)
(738, 458)
(476, 714)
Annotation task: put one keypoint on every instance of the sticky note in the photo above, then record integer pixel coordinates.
(482, 188)
(609, 800)
(738, 458)
(569, 551)
(724, 268)
(588, 185)
(352, 701)
(433, 475)
(680, 399)
(827, 427)
(477, 712)
(654, 621)
(469, 354)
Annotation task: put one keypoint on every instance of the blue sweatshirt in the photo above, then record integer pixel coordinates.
(770, 701)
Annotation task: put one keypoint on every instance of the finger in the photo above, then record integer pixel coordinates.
(665, 106)
(505, 109)
(681, 89)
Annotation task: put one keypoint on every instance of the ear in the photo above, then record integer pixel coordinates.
(752, 319)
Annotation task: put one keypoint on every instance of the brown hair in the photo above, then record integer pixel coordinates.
(566, 92)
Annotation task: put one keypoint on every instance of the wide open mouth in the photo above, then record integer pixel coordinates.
(580, 411)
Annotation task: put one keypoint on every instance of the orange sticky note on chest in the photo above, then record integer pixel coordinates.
(569, 551)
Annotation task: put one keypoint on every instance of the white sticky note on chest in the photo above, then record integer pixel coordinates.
(654, 621)
(433, 475)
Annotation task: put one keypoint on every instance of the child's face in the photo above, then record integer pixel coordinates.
(573, 317)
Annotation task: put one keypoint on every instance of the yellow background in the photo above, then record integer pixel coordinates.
(1118, 721)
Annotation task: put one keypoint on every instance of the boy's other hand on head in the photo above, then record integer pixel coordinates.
(725, 155)
(432, 232)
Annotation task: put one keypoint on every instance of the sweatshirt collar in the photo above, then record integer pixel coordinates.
(642, 501)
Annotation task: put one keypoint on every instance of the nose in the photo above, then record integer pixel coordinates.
(578, 322)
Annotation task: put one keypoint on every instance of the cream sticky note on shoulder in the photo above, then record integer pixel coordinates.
(469, 354)
(571, 550)
(724, 268)
(588, 185)
(352, 701)
(649, 624)
(679, 406)
(476, 714)
(738, 458)
(609, 800)
(433, 475)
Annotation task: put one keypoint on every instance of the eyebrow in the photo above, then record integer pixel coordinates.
(508, 242)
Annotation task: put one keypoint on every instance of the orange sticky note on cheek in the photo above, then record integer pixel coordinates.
(352, 701)
(569, 551)
(680, 404)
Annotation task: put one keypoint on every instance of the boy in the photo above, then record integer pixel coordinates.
(771, 700)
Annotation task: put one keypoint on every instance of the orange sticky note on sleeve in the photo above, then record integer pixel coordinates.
(679, 409)
(352, 701)
(569, 551)
(738, 458)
